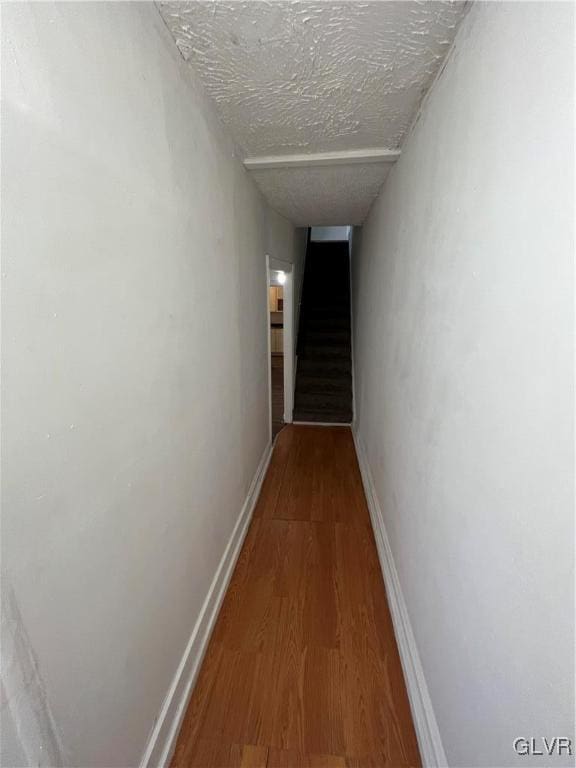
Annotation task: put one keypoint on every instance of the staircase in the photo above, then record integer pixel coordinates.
(324, 372)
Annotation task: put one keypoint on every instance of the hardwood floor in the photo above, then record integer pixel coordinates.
(302, 669)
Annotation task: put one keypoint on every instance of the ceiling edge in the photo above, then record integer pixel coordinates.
(344, 157)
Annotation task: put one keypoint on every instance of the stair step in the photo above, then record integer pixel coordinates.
(323, 401)
(327, 336)
(325, 367)
(329, 417)
(340, 383)
(340, 305)
(321, 310)
(320, 351)
(326, 326)
(318, 322)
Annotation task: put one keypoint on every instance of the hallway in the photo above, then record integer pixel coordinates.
(302, 668)
(327, 525)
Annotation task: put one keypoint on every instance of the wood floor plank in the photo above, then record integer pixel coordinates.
(323, 719)
(291, 576)
(296, 492)
(285, 758)
(254, 756)
(194, 716)
(285, 690)
(234, 710)
(251, 624)
(279, 758)
(303, 668)
(321, 620)
(327, 761)
(283, 450)
(229, 611)
(209, 754)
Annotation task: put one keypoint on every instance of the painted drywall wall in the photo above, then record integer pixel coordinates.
(463, 345)
(135, 371)
(288, 243)
(300, 245)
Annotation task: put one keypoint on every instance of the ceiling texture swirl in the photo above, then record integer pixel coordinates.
(317, 96)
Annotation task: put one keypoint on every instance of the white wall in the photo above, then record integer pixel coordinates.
(288, 243)
(299, 246)
(463, 340)
(135, 363)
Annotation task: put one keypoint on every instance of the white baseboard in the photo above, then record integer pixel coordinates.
(164, 734)
(427, 733)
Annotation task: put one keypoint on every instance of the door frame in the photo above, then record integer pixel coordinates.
(272, 265)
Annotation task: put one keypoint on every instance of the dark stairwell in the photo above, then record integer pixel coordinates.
(324, 373)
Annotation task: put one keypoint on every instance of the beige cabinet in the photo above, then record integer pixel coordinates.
(276, 340)
(276, 298)
(275, 303)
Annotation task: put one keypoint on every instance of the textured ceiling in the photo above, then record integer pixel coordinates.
(325, 196)
(294, 76)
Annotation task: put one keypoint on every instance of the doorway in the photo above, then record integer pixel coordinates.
(281, 347)
(276, 309)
